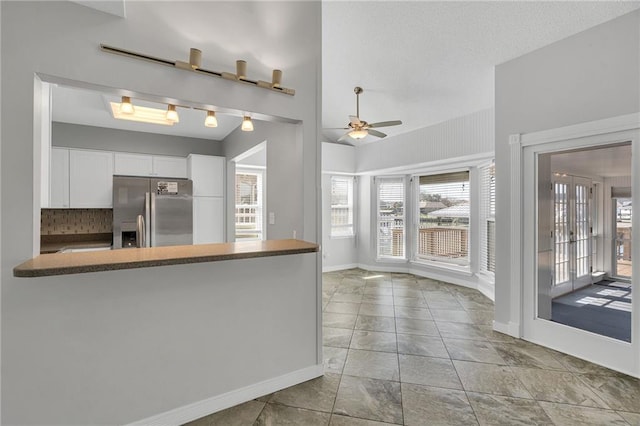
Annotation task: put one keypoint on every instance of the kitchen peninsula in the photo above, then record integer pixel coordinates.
(108, 260)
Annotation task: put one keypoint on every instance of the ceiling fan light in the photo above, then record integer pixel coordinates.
(358, 134)
(211, 120)
(172, 114)
(126, 107)
(247, 124)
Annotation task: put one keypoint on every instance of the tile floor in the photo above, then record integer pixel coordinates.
(401, 349)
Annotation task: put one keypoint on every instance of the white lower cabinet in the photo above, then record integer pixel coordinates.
(90, 179)
(208, 220)
(59, 182)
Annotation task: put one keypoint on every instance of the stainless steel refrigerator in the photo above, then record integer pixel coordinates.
(152, 212)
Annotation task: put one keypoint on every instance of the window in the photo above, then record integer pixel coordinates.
(391, 220)
(342, 206)
(443, 218)
(488, 218)
(249, 202)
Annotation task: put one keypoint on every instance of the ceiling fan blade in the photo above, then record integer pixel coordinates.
(386, 123)
(354, 120)
(336, 128)
(376, 133)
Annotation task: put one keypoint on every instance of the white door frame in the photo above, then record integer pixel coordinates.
(524, 150)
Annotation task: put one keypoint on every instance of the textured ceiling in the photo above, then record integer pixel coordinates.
(422, 62)
(427, 62)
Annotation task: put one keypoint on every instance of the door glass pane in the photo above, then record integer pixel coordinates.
(623, 210)
(582, 230)
(561, 219)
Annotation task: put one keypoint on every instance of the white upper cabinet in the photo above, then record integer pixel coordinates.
(59, 182)
(132, 164)
(207, 174)
(175, 167)
(90, 179)
(150, 165)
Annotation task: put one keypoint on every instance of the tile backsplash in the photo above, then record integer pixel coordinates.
(75, 221)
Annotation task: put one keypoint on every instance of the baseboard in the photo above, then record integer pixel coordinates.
(381, 268)
(434, 275)
(335, 268)
(512, 328)
(187, 413)
(488, 288)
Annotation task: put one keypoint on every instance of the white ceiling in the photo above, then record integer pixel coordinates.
(422, 62)
(611, 161)
(425, 62)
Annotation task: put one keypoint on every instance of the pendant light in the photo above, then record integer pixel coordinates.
(211, 120)
(247, 125)
(126, 107)
(172, 114)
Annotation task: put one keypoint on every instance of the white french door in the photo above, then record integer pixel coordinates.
(572, 231)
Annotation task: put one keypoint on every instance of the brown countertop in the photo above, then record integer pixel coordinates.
(108, 260)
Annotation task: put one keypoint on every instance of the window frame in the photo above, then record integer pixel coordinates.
(435, 261)
(352, 181)
(376, 221)
(485, 217)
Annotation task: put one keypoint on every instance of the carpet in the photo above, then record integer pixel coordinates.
(603, 308)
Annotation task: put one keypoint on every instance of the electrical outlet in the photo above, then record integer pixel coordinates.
(272, 218)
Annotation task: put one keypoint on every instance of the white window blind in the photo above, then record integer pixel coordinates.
(488, 218)
(249, 210)
(391, 217)
(342, 206)
(443, 225)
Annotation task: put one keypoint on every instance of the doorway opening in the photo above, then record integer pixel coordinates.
(250, 194)
(584, 222)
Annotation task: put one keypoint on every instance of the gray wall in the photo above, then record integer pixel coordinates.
(119, 346)
(91, 137)
(284, 186)
(586, 77)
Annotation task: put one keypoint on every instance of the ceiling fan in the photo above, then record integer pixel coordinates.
(359, 129)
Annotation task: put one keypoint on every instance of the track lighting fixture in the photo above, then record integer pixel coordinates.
(195, 63)
(126, 107)
(247, 124)
(211, 120)
(195, 58)
(276, 78)
(241, 69)
(172, 114)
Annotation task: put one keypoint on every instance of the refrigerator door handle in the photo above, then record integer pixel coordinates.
(147, 212)
(153, 218)
(140, 232)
